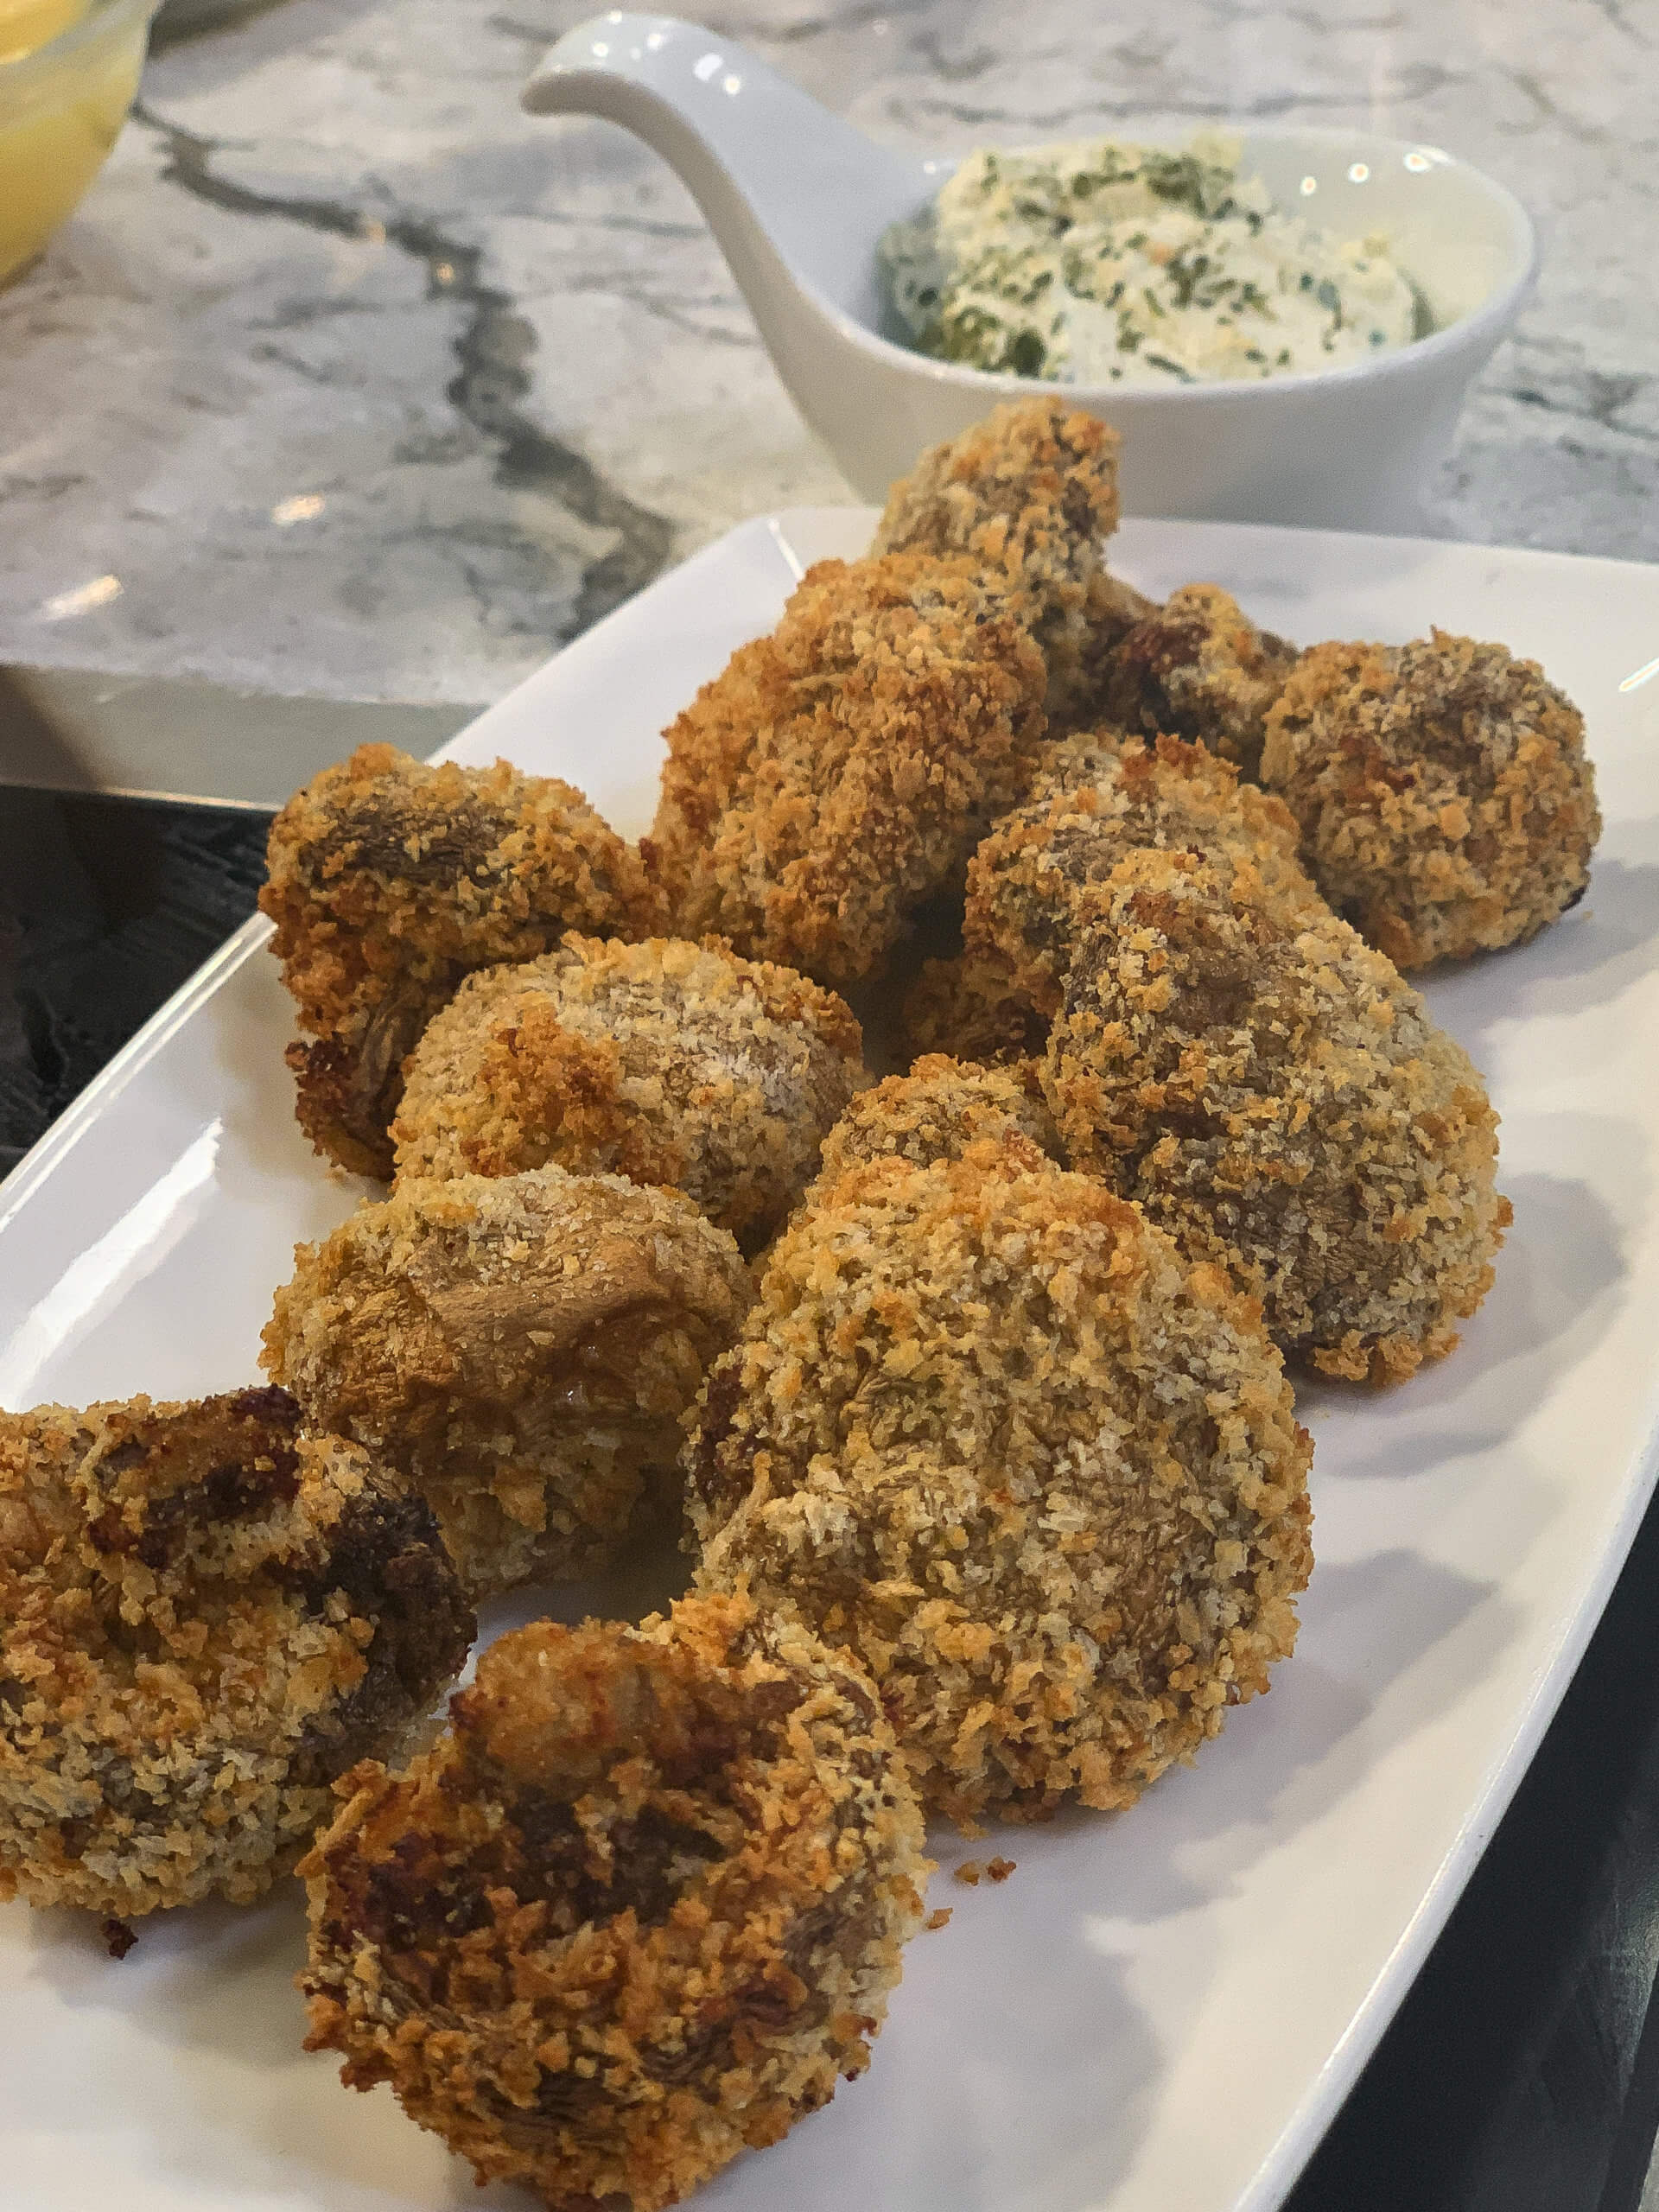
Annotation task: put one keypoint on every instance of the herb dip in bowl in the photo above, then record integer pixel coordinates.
(1102, 262)
(800, 202)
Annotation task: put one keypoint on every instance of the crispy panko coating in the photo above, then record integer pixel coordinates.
(987, 1429)
(839, 773)
(204, 1617)
(967, 1007)
(936, 1111)
(664, 1062)
(521, 1347)
(1110, 611)
(1446, 803)
(1031, 494)
(389, 881)
(967, 1004)
(1030, 883)
(1276, 1097)
(641, 1908)
(1197, 667)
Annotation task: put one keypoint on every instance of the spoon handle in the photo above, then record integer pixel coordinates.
(792, 193)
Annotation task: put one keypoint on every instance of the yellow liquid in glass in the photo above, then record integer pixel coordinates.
(25, 24)
(52, 145)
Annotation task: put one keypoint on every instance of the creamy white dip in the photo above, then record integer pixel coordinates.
(1103, 262)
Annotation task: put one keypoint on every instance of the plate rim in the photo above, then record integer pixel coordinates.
(1325, 2092)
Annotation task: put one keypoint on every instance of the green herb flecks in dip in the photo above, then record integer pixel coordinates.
(1103, 262)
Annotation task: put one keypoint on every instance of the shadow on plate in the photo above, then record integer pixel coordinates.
(1397, 1630)
(1587, 959)
(1016, 2071)
(1558, 1279)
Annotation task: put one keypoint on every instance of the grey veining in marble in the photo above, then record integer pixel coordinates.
(360, 381)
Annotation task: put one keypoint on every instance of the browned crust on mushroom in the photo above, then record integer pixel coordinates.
(1030, 882)
(1273, 1095)
(205, 1616)
(1030, 493)
(1197, 667)
(840, 771)
(969, 1008)
(521, 1347)
(989, 1429)
(641, 1908)
(665, 1062)
(390, 881)
(937, 1111)
(1446, 803)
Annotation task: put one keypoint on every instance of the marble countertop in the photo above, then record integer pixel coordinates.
(358, 381)
(351, 379)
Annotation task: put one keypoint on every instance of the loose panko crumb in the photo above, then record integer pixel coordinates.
(389, 881)
(205, 1616)
(987, 1429)
(1030, 883)
(1031, 493)
(840, 771)
(641, 1907)
(664, 1062)
(1446, 803)
(936, 1111)
(521, 1347)
(1197, 667)
(1277, 1098)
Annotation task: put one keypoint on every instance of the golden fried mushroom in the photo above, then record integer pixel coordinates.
(1031, 882)
(1031, 493)
(840, 771)
(389, 881)
(204, 1617)
(987, 1429)
(936, 1111)
(967, 1007)
(1276, 1097)
(664, 1062)
(640, 1909)
(1197, 667)
(1111, 609)
(521, 1347)
(1446, 803)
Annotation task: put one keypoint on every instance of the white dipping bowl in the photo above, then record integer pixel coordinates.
(798, 200)
(1347, 449)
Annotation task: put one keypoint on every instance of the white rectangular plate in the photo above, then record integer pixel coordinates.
(1162, 2009)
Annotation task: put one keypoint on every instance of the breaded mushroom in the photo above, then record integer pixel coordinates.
(838, 773)
(967, 1007)
(1272, 1093)
(640, 1909)
(1446, 803)
(389, 881)
(936, 1111)
(1031, 493)
(1031, 882)
(1197, 667)
(987, 1429)
(1111, 609)
(521, 1347)
(204, 1617)
(664, 1062)
(967, 1003)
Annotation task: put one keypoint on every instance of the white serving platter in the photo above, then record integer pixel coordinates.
(1160, 2011)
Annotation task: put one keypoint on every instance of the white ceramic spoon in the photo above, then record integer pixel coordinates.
(797, 200)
